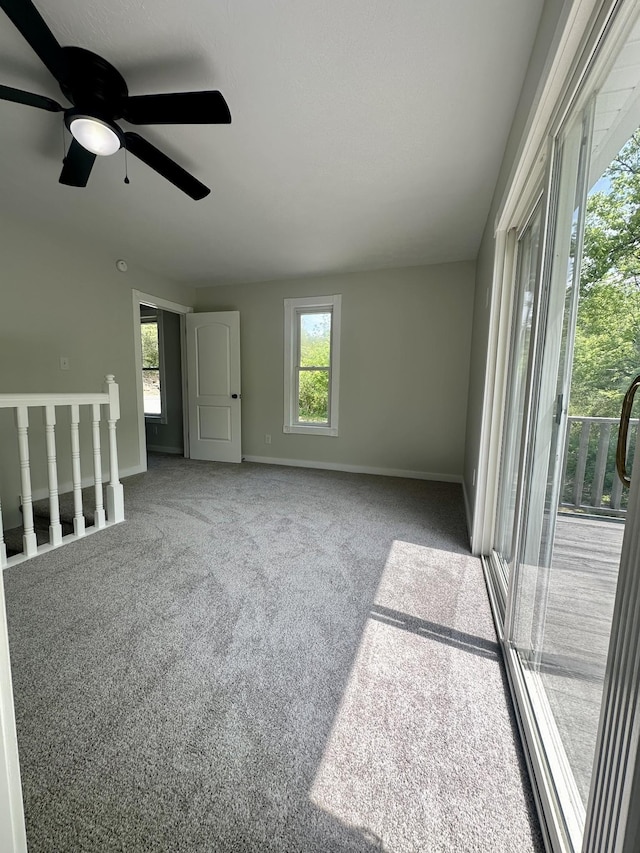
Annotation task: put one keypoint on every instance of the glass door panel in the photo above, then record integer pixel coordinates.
(564, 579)
(527, 264)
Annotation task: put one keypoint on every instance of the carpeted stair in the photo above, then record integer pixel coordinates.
(13, 537)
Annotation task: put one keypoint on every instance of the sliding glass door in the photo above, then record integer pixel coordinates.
(560, 521)
(527, 249)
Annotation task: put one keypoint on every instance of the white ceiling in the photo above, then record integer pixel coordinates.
(365, 134)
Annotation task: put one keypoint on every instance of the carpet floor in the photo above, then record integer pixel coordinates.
(266, 659)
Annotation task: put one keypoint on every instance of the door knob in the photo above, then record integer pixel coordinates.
(234, 396)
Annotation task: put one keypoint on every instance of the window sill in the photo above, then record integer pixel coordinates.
(155, 419)
(299, 429)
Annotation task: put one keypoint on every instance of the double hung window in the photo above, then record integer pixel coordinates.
(312, 360)
(152, 364)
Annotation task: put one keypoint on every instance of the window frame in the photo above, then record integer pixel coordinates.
(160, 418)
(293, 309)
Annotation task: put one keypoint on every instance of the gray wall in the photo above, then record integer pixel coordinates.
(404, 367)
(168, 437)
(60, 296)
(485, 262)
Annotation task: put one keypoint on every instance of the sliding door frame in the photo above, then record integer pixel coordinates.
(511, 297)
(580, 30)
(611, 824)
(562, 827)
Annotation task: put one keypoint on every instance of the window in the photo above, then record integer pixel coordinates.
(152, 363)
(312, 364)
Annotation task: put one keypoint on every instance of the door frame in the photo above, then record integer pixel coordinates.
(140, 298)
(13, 836)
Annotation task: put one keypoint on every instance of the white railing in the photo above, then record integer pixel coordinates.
(48, 403)
(589, 479)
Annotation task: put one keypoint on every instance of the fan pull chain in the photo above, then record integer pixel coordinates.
(126, 175)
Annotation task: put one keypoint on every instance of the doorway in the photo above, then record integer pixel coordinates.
(161, 381)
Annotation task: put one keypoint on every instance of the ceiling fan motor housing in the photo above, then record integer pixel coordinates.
(93, 85)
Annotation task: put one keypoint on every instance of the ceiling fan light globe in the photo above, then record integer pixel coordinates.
(95, 135)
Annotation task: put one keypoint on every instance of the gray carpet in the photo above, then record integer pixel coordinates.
(266, 659)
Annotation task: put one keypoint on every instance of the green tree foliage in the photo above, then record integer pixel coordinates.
(315, 351)
(607, 354)
(314, 396)
(612, 233)
(149, 332)
(607, 340)
(607, 345)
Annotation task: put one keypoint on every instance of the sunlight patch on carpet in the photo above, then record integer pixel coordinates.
(389, 748)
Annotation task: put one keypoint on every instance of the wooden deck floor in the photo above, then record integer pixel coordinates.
(579, 608)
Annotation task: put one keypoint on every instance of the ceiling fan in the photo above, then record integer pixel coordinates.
(99, 96)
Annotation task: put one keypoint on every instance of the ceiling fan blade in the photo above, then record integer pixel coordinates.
(28, 98)
(77, 165)
(29, 21)
(178, 108)
(165, 166)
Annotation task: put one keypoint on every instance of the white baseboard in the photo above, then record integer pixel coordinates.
(356, 469)
(133, 469)
(156, 448)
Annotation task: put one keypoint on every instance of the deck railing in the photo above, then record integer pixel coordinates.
(23, 404)
(589, 479)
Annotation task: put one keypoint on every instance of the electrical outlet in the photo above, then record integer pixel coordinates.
(267, 439)
(64, 362)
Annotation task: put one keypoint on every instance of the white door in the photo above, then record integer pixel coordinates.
(213, 375)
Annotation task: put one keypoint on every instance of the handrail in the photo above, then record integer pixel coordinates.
(592, 420)
(12, 401)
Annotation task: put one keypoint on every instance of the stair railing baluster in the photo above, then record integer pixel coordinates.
(78, 517)
(55, 528)
(113, 513)
(29, 541)
(99, 518)
(115, 492)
